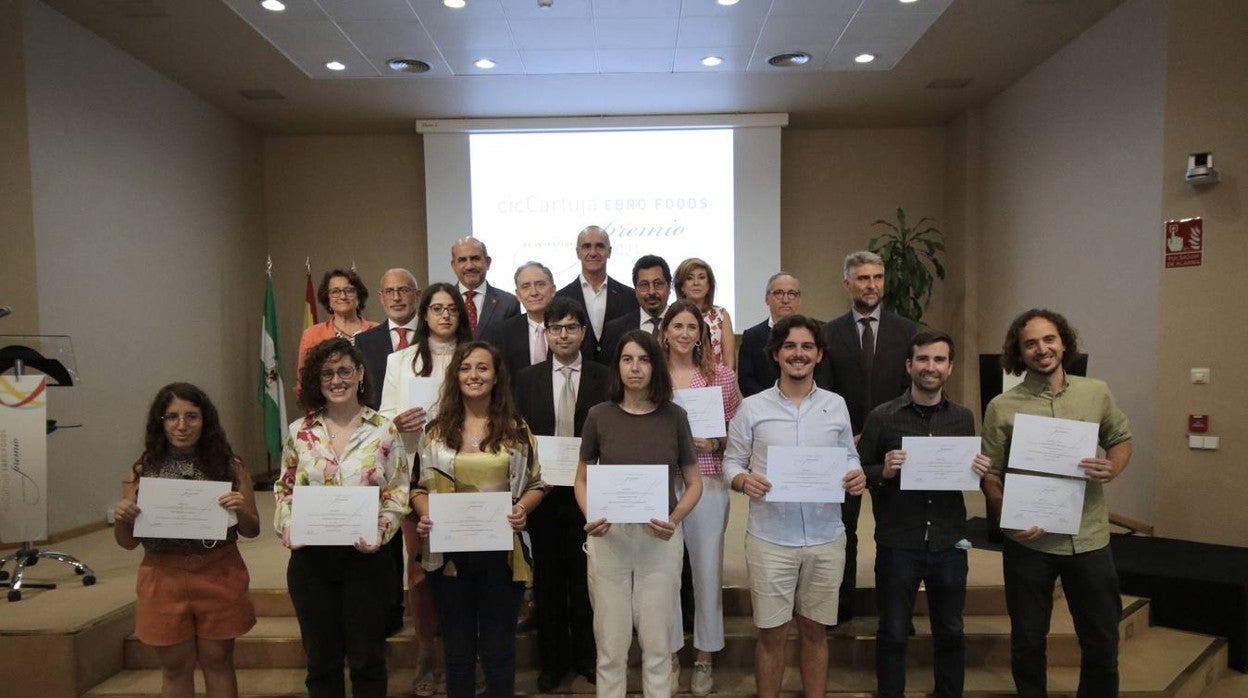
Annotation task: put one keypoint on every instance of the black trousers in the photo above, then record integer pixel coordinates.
(565, 619)
(1090, 583)
(342, 598)
(849, 516)
(477, 611)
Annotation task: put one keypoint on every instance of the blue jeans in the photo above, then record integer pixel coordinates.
(897, 576)
(1090, 583)
(477, 611)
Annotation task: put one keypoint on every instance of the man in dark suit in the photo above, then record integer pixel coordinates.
(486, 304)
(652, 282)
(400, 296)
(865, 363)
(554, 397)
(603, 298)
(756, 371)
(522, 339)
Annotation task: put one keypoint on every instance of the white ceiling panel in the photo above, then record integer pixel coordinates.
(547, 34)
(635, 60)
(381, 41)
(719, 31)
(751, 9)
(813, 9)
(905, 29)
(736, 58)
(310, 45)
(636, 8)
(352, 10)
(538, 62)
(561, 9)
(636, 33)
(887, 55)
(892, 7)
(507, 62)
(475, 9)
(797, 33)
(262, 19)
(468, 34)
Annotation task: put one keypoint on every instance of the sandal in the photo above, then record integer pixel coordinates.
(425, 683)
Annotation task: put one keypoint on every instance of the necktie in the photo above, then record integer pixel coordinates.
(539, 346)
(565, 411)
(472, 310)
(868, 344)
(654, 327)
(402, 338)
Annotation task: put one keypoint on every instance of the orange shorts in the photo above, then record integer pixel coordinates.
(181, 597)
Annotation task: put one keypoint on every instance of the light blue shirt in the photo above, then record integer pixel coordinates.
(771, 419)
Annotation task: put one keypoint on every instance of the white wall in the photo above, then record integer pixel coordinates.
(149, 251)
(1071, 212)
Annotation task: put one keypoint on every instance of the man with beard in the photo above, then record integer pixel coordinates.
(795, 551)
(920, 535)
(1041, 344)
(755, 370)
(866, 365)
(652, 283)
(603, 298)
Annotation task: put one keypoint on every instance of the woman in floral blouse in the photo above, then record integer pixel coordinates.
(342, 594)
(695, 281)
(477, 442)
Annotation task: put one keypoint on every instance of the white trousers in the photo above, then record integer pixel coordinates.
(633, 577)
(704, 539)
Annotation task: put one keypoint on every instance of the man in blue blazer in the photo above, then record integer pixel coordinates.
(603, 298)
(486, 304)
(865, 363)
(756, 371)
(565, 625)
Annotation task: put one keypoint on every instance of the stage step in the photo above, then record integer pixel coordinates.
(1156, 662)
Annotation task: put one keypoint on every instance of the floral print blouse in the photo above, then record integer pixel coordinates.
(374, 456)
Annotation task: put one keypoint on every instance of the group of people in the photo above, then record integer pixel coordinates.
(600, 360)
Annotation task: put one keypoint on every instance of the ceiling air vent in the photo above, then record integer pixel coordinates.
(260, 95)
(949, 83)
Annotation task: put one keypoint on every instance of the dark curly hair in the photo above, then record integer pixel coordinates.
(213, 454)
(504, 426)
(361, 291)
(422, 361)
(780, 333)
(660, 390)
(310, 397)
(1012, 350)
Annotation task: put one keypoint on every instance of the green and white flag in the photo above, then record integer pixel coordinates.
(272, 393)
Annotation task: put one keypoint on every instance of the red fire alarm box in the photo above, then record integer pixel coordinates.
(1198, 423)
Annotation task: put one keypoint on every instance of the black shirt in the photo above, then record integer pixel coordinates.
(912, 519)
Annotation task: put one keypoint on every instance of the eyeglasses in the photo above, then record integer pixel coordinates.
(342, 373)
(780, 295)
(657, 284)
(400, 291)
(189, 418)
(448, 310)
(570, 328)
(344, 291)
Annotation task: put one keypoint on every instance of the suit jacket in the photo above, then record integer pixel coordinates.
(842, 372)
(498, 305)
(511, 336)
(375, 344)
(612, 331)
(533, 389)
(621, 299)
(756, 371)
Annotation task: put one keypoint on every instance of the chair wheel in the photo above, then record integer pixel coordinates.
(4, 575)
(88, 580)
(32, 559)
(79, 571)
(15, 595)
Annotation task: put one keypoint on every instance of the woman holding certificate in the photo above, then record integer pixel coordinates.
(192, 596)
(342, 592)
(477, 443)
(634, 568)
(442, 324)
(685, 338)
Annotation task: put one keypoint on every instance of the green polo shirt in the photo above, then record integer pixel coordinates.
(1083, 399)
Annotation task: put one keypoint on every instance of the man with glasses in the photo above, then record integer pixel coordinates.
(652, 284)
(756, 370)
(554, 397)
(522, 339)
(603, 298)
(486, 304)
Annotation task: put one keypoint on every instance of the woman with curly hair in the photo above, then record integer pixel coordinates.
(342, 294)
(192, 595)
(477, 442)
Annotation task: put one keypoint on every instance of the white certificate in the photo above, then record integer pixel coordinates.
(329, 515)
(559, 456)
(469, 521)
(706, 411)
(1049, 445)
(181, 509)
(626, 493)
(939, 463)
(1052, 503)
(422, 391)
(806, 473)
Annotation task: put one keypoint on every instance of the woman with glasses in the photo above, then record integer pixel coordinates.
(695, 281)
(342, 593)
(342, 295)
(192, 598)
(634, 569)
(685, 339)
(441, 325)
(477, 442)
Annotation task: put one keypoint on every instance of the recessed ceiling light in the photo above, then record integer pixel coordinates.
(864, 58)
(484, 63)
(336, 65)
(727, 3)
(455, 4)
(907, 2)
(407, 65)
(789, 60)
(711, 61)
(273, 5)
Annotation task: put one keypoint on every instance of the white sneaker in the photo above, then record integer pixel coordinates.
(702, 682)
(675, 674)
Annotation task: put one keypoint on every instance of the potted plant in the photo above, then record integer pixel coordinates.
(911, 264)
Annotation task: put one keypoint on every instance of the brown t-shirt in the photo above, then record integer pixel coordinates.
(612, 436)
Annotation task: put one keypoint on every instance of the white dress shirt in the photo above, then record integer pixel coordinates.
(595, 303)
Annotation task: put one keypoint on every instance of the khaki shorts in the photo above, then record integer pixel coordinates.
(787, 580)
